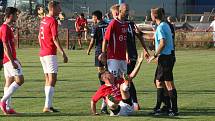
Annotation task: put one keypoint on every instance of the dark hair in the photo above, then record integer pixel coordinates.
(10, 11)
(159, 13)
(82, 14)
(98, 14)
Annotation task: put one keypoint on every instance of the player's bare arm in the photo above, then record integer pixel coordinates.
(59, 47)
(160, 48)
(9, 54)
(137, 67)
(93, 108)
(142, 40)
(103, 55)
(90, 46)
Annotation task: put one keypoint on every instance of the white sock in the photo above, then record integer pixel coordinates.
(49, 92)
(8, 101)
(103, 104)
(11, 89)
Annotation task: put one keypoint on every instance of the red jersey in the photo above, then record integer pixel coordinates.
(105, 90)
(81, 23)
(48, 30)
(116, 35)
(7, 36)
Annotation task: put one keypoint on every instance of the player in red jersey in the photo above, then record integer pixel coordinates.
(81, 26)
(115, 43)
(49, 43)
(12, 68)
(116, 93)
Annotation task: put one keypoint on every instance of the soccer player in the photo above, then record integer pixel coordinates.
(134, 31)
(97, 35)
(115, 43)
(212, 26)
(1, 54)
(115, 11)
(80, 26)
(163, 48)
(49, 43)
(116, 93)
(12, 68)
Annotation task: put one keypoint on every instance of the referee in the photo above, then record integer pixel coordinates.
(163, 49)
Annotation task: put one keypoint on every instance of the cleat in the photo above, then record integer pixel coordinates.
(50, 110)
(3, 106)
(172, 113)
(155, 112)
(11, 111)
(54, 110)
(104, 110)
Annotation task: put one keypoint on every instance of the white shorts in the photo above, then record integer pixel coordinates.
(125, 109)
(9, 71)
(117, 67)
(49, 64)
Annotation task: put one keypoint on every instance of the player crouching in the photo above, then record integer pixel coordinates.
(116, 93)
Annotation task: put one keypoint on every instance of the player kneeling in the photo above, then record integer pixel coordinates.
(116, 93)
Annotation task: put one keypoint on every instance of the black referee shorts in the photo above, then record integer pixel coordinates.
(164, 68)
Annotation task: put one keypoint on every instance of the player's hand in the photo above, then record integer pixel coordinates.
(15, 66)
(103, 58)
(151, 59)
(65, 58)
(146, 55)
(128, 61)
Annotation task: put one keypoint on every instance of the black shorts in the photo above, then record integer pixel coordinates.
(79, 34)
(131, 66)
(164, 68)
(97, 62)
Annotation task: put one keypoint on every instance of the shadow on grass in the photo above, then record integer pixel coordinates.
(196, 92)
(45, 114)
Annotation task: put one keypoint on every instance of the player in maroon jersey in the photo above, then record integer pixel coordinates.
(114, 45)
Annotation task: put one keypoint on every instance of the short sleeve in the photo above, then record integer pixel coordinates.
(98, 95)
(160, 33)
(4, 34)
(54, 28)
(109, 31)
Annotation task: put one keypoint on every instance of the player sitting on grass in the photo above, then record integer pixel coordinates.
(116, 93)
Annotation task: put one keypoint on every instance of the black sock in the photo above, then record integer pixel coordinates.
(101, 82)
(133, 92)
(167, 102)
(160, 96)
(173, 98)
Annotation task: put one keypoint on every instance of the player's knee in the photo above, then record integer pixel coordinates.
(124, 87)
(20, 80)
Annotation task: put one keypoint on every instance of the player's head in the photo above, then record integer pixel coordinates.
(107, 77)
(115, 10)
(11, 14)
(157, 14)
(82, 15)
(96, 15)
(123, 10)
(170, 19)
(54, 8)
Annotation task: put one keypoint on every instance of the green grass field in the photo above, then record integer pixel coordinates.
(77, 81)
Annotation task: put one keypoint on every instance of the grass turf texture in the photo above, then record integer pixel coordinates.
(77, 81)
